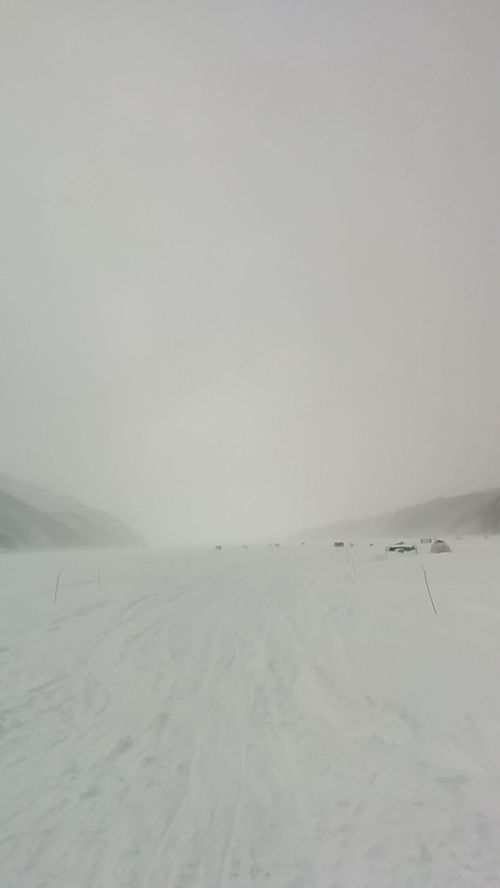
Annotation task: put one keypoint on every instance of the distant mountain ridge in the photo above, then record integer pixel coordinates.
(34, 518)
(472, 513)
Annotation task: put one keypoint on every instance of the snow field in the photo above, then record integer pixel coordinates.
(290, 718)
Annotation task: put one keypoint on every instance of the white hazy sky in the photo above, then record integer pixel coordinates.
(250, 257)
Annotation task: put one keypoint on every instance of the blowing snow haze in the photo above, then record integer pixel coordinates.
(250, 258)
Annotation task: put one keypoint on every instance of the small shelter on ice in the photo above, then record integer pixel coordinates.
(439, 546)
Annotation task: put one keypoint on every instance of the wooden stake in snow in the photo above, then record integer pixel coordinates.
(57, 585)
(429, 591)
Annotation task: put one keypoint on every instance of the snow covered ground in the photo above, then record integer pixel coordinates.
(261, 717)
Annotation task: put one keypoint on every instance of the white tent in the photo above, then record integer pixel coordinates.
(440, 546)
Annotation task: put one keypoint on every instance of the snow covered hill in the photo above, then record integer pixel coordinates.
(473, 513)
(34, 518)
(245, 718)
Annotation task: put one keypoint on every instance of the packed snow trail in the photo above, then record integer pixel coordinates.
(262, 717)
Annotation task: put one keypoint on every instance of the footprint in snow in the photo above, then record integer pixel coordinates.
(393, 730)
(123, 745)
(90, 793)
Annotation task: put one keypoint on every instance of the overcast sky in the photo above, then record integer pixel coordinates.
(250, 257)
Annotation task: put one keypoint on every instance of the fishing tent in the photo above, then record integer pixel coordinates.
(440, 546)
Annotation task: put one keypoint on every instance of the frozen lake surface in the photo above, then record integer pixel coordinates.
(288, 718)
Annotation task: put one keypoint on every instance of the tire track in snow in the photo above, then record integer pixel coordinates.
(248, 629)
(211, 680)
(226, 858)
